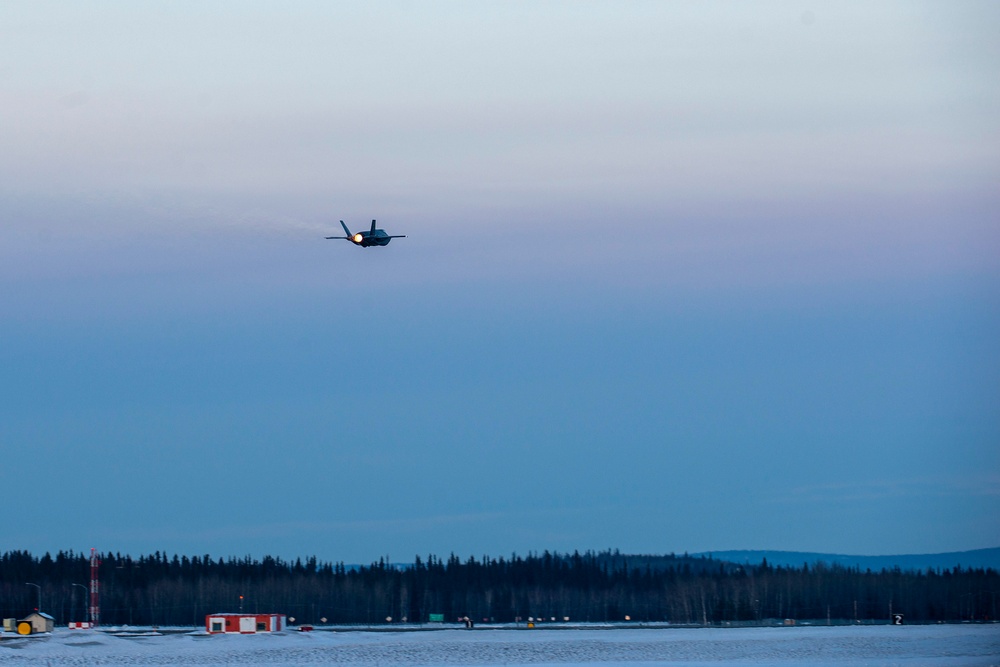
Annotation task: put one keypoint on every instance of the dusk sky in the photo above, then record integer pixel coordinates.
(677, 277)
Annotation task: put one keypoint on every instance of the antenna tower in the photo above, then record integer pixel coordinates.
(95, 598)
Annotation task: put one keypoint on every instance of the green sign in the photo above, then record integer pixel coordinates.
(435, 618)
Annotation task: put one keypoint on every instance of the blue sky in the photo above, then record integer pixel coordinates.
(677, 277)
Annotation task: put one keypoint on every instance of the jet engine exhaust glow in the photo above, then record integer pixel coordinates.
(376, 237)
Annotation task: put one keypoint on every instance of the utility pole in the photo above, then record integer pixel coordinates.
(84, 597)
(39, 607)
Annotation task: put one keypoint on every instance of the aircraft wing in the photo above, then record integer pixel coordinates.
(337, 237)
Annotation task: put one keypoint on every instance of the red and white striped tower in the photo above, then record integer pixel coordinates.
(95, 598)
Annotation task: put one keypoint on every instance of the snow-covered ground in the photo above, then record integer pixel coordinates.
(912, 645)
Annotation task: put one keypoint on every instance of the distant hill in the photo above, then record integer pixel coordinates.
(978, 558)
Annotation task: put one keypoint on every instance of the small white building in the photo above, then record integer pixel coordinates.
(36, 622)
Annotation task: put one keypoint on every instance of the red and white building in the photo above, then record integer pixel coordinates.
(244, 624)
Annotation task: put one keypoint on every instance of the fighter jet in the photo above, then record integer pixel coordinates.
(365, 239)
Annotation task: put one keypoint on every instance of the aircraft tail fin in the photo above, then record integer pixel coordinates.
(346, 230)
(373, 228)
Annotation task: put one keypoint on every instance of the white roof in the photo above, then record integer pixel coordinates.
(245, 613)
(38, 613)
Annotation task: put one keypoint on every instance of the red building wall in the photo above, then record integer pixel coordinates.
(244, 623)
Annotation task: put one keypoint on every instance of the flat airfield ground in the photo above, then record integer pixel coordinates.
(916, 645)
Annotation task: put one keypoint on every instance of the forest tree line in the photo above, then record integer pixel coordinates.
(592, 587)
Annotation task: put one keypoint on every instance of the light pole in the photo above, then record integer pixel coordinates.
(84, 596)
(39, 607)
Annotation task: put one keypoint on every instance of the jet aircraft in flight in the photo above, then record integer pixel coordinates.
(369, 238)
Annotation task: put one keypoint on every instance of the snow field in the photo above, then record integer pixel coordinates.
(930, 645)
